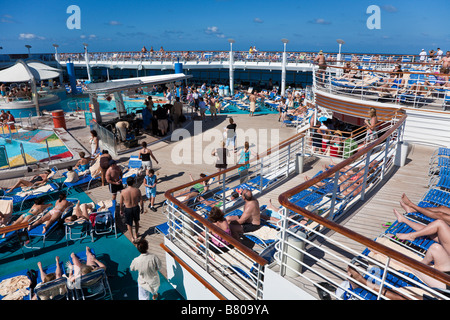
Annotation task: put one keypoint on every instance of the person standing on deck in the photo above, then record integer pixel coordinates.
(114, 178)
(321, 61)
(130, 199)
(147, 264)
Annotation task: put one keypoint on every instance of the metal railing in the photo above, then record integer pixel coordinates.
(407, 88)
(331, 199)
(326, 260)
(242, 268)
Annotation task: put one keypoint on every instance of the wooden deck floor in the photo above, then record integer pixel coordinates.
(170, 174)
(366, 218)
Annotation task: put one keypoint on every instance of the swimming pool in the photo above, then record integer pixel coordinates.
(34, 147)
(72, 104)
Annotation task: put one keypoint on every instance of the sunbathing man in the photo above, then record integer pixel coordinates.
(36, 181)
(250, 220)
(53, 215)
(440, 212)
(36, 209)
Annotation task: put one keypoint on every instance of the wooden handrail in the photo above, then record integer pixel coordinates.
(169, 195)
(15, 227)
(284, 201)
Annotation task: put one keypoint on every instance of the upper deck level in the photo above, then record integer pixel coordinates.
(302, 61)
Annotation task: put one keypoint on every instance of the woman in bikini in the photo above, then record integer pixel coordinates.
(217, 217)
(53, 215)
(82, 164)
(35, 210)
(36, 181)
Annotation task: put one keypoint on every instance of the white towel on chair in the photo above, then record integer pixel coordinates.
(264, 233)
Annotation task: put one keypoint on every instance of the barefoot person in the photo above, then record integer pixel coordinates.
(114, 178)
(37, 208)
(437, 230)
(440, 212)
(53, 215)
(252, 99)
(130, 199)
(36, 181)
(250, 220)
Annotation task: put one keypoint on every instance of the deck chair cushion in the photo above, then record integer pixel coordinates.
(42, 189)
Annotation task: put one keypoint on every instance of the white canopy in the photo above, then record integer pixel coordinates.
(25, 71)
(130, 83)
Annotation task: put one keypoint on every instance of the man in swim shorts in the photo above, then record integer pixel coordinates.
(250, 220)
(114, 178)
(130, 199)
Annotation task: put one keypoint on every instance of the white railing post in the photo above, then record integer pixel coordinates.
(366, 173)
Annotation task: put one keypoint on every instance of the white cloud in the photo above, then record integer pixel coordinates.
(91, 36)
(389, 8)
(258, 20)
(114, 23)
(320, 21)
(30, 36)
(6, 18)
(214, 31)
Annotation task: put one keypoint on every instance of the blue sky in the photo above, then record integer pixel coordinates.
(407, 26)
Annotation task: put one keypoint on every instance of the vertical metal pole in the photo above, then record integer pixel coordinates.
(333, 197)
(48, 150)
(387, 146)
(288, 160)
(223, 192)
(366, 172)
(283, 243)
(283, 73)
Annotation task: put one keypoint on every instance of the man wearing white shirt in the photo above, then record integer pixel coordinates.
(423, 55)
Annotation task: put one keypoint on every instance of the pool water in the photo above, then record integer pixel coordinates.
(34, 146)
(135, 105)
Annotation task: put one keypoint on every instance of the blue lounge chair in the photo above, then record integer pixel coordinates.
(134, 164)
(52, 290)
(85, 179)
(37, 232)
(20, 196)
(78, 230)
(93, 285)
(420, 244)
(105, 221)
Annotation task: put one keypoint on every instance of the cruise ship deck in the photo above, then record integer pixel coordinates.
(334, 226)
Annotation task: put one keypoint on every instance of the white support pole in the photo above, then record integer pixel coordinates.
(283, 69)
(231, 67)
